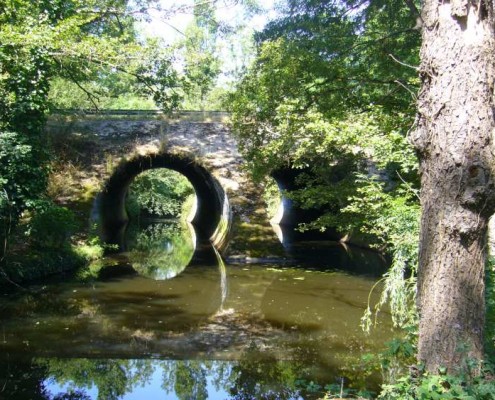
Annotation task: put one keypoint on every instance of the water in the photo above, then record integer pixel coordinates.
(169, 319)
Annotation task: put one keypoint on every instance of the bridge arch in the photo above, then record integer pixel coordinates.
(212, 217)
(290, 215)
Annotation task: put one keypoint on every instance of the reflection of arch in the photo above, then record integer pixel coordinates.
(160, 250)
(202, 253)
(212, 217)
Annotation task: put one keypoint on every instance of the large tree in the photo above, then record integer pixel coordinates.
(71, 39)
(454, 141)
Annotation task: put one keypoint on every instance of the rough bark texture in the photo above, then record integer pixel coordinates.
(454, 141)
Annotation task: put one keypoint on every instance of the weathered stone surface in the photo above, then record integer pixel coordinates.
(203, 138)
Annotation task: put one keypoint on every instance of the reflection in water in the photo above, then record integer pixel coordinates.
(121, 335)
(161, 249)
(289, 321)
(256, 375)
(223, 277)
(313, 247)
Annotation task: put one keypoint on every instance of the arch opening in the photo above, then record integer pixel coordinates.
(290, 215)
(211, 219)
(160, 193)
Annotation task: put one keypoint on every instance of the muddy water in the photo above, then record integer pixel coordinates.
(204, 330)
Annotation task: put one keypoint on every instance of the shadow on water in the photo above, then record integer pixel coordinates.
(314, 250)
(328, 255)
(166, 318)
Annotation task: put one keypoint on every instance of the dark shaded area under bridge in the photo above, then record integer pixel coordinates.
(210, 196)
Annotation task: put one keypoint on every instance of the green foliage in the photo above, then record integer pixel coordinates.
(271, 197)
(202, 63)
(311, 100)
(162, 250)
(51, 226)
(160, 192)
(21, 178)
(80, 42)
(40, 263)
(42, 244)
(90, 250)
(394, 219)
(65, 94)
(214, 52)
(320, 57)
(259, 376)
(419, 384)
(325, 95)
(335, 392)
(442, 387)
(22, 181)
(398, 355)
(190, 381)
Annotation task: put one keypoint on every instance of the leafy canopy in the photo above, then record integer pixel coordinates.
(69, 40)
(331, 92)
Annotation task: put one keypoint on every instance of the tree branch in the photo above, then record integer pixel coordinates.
(401, 63)
(415, 13)
(91, 97)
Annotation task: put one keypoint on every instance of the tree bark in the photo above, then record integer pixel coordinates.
(454, 142)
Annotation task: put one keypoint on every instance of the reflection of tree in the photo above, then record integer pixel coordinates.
(113, 378)
(19, 379)
(75, 395)
(190, 381)
(259, 375)
(187, 379)
(221, 375)
(162, 250)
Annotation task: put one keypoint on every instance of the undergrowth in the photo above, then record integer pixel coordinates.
(420, 384)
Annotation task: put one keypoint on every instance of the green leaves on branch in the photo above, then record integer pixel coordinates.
(21, 179)
(84, 42)
(159, 192)
(51, 226)
(331, 92)
(202, 63)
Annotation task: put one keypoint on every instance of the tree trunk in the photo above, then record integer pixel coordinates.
(454, 142)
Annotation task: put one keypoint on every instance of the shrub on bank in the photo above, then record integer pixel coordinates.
(43, 244)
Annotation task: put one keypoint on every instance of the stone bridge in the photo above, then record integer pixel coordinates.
(115, 147)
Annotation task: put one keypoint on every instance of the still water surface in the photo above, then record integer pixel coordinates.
(169, 319)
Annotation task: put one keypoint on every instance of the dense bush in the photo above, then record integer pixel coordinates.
(22, 180)
(51, 226)
(442, 387)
